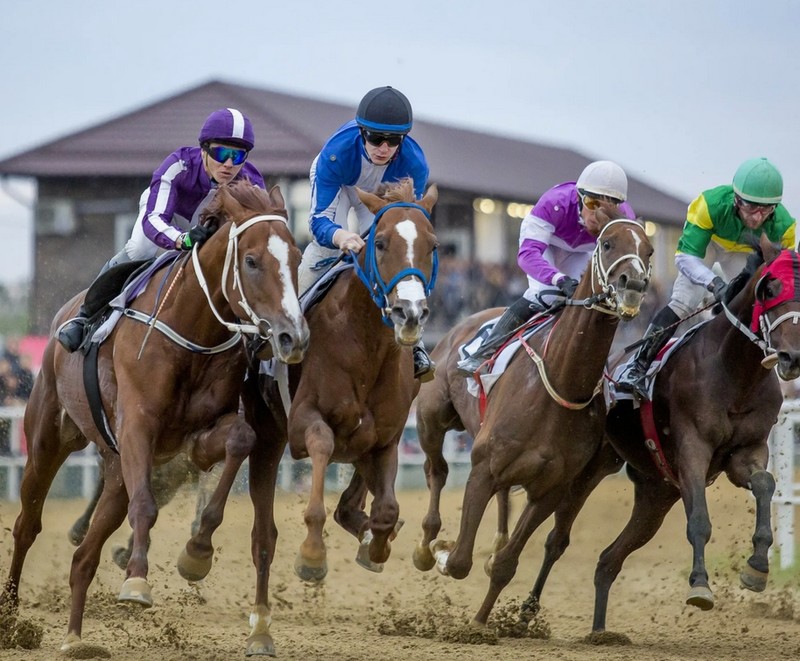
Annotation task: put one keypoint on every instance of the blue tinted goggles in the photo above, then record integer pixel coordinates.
(222, 154)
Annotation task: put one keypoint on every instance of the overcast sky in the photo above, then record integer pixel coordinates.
(678, 92)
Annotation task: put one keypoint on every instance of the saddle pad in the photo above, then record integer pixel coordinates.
(622, 369)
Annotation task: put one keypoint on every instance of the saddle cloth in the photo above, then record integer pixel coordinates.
(614, 395)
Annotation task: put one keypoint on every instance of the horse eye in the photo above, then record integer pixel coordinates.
(250, 262)
(380, 244)
(606, 245)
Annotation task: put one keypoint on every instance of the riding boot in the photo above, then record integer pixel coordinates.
(424, 367)
(71, 333)
(515, 315)
(658, 333)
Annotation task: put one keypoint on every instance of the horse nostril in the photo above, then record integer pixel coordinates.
(424, 316)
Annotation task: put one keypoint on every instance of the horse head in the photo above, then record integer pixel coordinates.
(620, 265)
(258, 274)
(776, 294)
(399, 263)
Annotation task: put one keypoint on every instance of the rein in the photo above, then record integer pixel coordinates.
(231, 258)
(370, 274)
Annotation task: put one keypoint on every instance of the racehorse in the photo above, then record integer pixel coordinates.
(353, 392)
(714, 403)
(544, 416)
(170, 390)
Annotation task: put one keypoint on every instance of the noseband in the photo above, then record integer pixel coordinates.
(606, 301)
(371, 277)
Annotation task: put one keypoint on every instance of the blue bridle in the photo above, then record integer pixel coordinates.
(371, 277)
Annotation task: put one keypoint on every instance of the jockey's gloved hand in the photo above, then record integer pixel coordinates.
(567, 285)
(195, 236)
(718, 287)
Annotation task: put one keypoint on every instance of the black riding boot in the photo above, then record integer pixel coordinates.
(100, 292)
(658, 333)
(515, 315)
(424, 367)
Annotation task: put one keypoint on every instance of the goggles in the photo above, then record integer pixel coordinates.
(593, 202)
(377, 139)
(754, 207)
(222, 154)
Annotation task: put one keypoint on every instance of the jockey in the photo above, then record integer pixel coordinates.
(179, 190)
(556, 241)
(716, 223)
(372, 148)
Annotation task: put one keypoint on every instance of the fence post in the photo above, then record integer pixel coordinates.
(782, 459)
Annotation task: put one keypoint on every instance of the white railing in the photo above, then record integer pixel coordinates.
(783, 446)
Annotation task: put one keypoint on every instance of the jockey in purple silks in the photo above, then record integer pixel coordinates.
(179, 190)
(555, 244)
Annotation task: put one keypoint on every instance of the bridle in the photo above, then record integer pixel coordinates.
(371, 277)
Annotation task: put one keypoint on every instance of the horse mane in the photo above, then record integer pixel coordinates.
(397, 191)
(235, 200)
(754, 261)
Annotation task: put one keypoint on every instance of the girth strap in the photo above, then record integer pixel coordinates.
(91, 384)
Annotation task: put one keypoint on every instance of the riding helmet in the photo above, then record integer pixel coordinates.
(604, 178)
(759, 181)
(230, 126)
(385, 109)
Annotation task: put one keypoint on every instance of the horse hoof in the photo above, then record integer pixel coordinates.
(752, 579)
(362, 559)
(423, 558)
(193, 569)
(701, 597)
(260, 645)
(311, 573)
(137, 591)
(73, 648)
(120, 555)
(76, 536)
(441, 552)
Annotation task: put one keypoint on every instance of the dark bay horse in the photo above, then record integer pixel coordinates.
(352, 393)
(167, 386)
(544, 416)
(714, 403)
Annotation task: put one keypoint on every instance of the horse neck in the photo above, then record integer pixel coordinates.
(365, 322)
(576, 350)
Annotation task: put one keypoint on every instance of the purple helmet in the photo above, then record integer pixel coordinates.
(230, 126)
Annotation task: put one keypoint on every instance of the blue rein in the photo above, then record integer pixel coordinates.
(371, 277)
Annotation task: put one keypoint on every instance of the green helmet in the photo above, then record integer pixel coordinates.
(757, 180)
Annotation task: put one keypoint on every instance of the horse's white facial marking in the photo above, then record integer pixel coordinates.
(409, 289)
(637, 241)
(408, 230)
(279, 249)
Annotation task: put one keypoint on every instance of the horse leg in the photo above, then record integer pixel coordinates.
(49, 444)
(605, 462)
(263, 477)
(380, 473)
(431, 440)
(653, 498)
(166, 481)
(236, 439)
(311, 563)
(507, 558)
(747, 470)
(78, 530)
(111, 509)
(349, 512)
(455, 559)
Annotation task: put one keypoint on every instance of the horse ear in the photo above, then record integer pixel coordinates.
(430, 197)
(769, 249)
(276, 197)
(372, 202)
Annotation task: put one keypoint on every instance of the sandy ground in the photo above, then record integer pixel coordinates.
(406, 614)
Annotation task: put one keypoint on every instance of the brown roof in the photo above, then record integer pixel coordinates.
(290, 131)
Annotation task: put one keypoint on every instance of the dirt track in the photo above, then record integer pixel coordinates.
(354, 613)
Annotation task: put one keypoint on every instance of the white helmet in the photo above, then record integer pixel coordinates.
(604, 178)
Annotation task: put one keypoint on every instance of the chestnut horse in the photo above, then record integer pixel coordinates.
(352, 393)
(170, 384)
(544, 416)
(715, 401)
